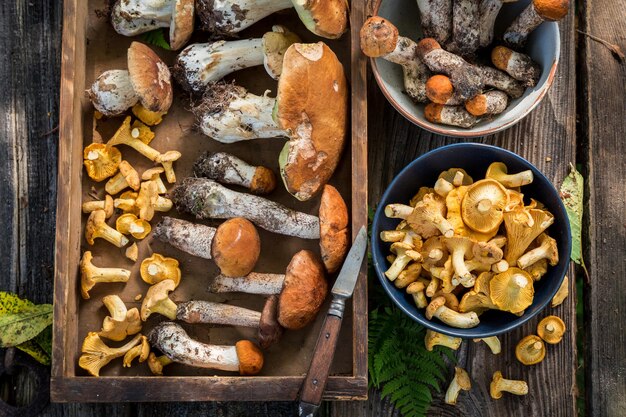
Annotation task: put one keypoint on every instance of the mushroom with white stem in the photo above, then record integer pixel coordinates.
(537, 12)
(520, 234)
(518, 65)
(487, 104)
(489, 10)
(465, 27)
(228, 169)
(200, 64)
(95, 354)
(207, 199)
(106, 205)
(437, 308)
(551, 329)
(227, 18)
(547, 249)
(312, 77)
(416, 290)
(405, 252)
(502, 81)
(379, 39)
(234, 245)
(450, 115)
(493, 342)
(96, 227)
(461, 381)
(133, 17)
(147, 80)
(121, 322)
(90, 274)
(498, 171)
(426, 218)
(436, 19)
(499, 385)
(126, 177)
(460, 248)
(302, 289)
(530, 350)
(171, 339)
(433, 339)
(167, 160)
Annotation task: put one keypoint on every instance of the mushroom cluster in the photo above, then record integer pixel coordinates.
(464, 247)
(443, 71)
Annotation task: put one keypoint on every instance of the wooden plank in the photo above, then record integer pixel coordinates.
(549, 131)
(604, 115)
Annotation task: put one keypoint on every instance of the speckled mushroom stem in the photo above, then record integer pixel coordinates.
(449, 115)
(415, 73)
(465, 27)
(436, 18)
(253, 283)
(502, 81)
(537, 12)
(206, 199)
(228, 17)
(131, 17)
(217, 313)
(488, 11)
(518, 65)
(489, 103)
(195, 239)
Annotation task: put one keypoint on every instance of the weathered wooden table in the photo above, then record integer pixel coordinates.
(582, 120)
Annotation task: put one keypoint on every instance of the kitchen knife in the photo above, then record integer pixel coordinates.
(315, 381)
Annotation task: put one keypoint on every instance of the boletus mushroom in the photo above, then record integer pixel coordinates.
(312, 77)
(207, 199)
(172, 340)
(133, 17)
(302, 289)
(328, 19)
(200, 64)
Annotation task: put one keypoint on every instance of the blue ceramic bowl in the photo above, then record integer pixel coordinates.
(473, 158)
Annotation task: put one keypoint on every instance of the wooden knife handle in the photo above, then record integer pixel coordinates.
(314, 384)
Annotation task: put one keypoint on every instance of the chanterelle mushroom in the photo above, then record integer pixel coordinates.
(96, 354)
(327, 19)
(530, 350)
(157, 300)
(127, 177)
(121, 322)
(493, 342)
(437, 308)
(512, 290)
(101, 161)
(483, 205)
(148, 200)
(302, 289)
(561, 294)
(106, 205)
(96, 227)
(500, 385)
(234, 245)
(426, 218)
(551, 329)
(176, 344)
(207, 199)
(90, 274)
(405, 253)
(520, 233)
(142, 350)
(200, 64)
(499, 172)
(547, 249)
(461, 381)
(158, 268)
(133, 17)
(460, 248)
(129, 224)
(433, 339)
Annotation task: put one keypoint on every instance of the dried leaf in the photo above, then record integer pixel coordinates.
(572, 194)
(34, 350)
(21, 320)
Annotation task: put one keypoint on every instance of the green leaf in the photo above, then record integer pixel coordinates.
(11, 303)
(572, 194)
(156, 38)
(17, 328)
(34, 350)
(44, 340)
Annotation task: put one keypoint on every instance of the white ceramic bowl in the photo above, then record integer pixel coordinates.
(543, 46)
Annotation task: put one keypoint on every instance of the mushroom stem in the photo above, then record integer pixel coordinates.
(217, 313)
(433, 339)
(206, 199)
(128, 137)
(195, 239)
(518, 65)
(106, 205)
(502, 81)
(449, 115)
(133, 17)
(465, 26)
(531, 17)
(500, 385)
(460, 382)
(436, 308)
(97, 228)
(226, 18)
(253, 283)
(493, 342)
(436, 18)
(458, 262)
(546, 250)
(398, 211)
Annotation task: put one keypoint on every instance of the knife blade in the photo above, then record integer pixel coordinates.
(315, 380)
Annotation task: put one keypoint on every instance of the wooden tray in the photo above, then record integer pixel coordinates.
(90, 46)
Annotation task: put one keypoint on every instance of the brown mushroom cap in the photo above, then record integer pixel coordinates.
(250, 357)
(326, 18)
(311, 79)
(263, 181)
(439, 89)
(101, 161)
(304, 291)
(150, 78)
(530, 350)
(551, 9)
(483, 205)
(551, 329)
(181, 26)
(236, 247)
(378, 37)
(333, 215)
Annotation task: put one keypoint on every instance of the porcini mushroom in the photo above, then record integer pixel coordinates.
(530, 350)
(449, 115)
(437, 308)
(551, 329)
(90, 274)
(175, 343)
(158, 268)
(518, 65)
(561, 294)
(106, 205)
(426, 218)
(206, 199)
(129, 224)
(142, 350)
(200, 64)
(461, 381)
(95, 354)
(433, 339)
(234, 245)
(96, 227)
(302, 289)
(487, 104)
(488, 11)
(547, 249)
(522, 227)
(483, 205)
(493, 342)
(112, 93)
(126, 177)
(379, 39)
(101, 161)
(499, 385)
(227, 18)
(436, 19)
(499, 172)
(121, 322)
(228, 169)
(133, 17)
(312, 76)
(512, 290)
(537, 12)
